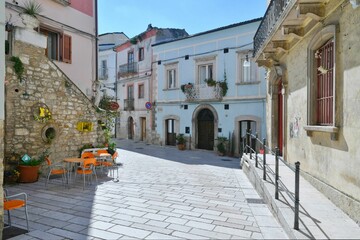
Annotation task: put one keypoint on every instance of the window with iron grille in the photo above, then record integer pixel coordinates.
(324, 58)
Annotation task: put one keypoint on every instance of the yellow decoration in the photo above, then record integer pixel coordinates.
(84, 126)
(42, 112)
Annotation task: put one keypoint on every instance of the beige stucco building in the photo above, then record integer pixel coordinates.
(310, 49)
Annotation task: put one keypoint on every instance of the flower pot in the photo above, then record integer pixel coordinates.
(181, 146)
(29, 21)
(28, 174)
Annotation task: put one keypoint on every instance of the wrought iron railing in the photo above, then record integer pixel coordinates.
(272, 14)
(203, 92)
(128, 69)
(129, 105)
(252, 145)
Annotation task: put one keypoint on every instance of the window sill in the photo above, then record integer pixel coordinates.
(247, 83)
(170, 89)
(327, 129)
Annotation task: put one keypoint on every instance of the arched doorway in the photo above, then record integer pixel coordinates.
(130, 128)
(205, 129)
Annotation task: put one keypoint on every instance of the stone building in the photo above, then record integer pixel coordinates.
(135, 82)
(44, 108)
(310, 51)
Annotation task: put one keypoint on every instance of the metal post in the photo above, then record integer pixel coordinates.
(246, 142)
(250, 144)
(297, 193)
(264, 159)
(276, 173)
(256, 155)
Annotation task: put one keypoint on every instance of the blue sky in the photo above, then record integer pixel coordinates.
(133, 16)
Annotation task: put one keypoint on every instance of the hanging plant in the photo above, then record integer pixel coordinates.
(18, 66)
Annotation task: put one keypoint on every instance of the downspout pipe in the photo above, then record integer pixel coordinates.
(96, 42)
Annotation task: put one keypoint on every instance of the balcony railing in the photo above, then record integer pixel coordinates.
(128, 69)
(200, 92)
(103, 73)
(129, 104)
(273, 12)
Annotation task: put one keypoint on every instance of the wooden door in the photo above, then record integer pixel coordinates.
(170, 134)
(205, 129)
(130, 128)
(143, 129)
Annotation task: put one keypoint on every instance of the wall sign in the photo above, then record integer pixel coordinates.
(148, 105)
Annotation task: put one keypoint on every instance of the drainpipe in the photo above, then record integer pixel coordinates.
(96, 42)
(116, 91)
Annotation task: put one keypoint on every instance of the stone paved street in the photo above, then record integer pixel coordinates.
(162, 193)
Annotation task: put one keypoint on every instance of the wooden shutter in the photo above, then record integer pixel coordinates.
(66, 49)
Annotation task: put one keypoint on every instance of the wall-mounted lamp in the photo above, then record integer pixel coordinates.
(246, 62)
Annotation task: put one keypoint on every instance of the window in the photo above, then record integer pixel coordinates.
(141, 54)
(58, 45)
(321, 85)
(103, 70)
(141, 91)
(131, 65)
(171, 76)
(248, 70)
(205, 72)
(205, 69)
(324, 58)
(130, 91)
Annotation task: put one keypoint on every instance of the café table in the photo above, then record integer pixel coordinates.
(71, 162)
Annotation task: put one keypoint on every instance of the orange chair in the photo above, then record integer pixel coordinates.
(10, 204)
(91, 155)
(113, 165)
(87, 169)
(55, 169)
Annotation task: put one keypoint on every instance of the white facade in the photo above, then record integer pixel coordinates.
(202, 114)
(107, 70)
(70, 20)
(135, 83)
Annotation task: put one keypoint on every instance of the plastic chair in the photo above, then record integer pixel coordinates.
(91, 155)
(55, 169)
(113, 165)
(87, 169)
(10, 204)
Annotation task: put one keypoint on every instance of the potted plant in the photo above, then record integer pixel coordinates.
(29, 167)
(181, 141)
(11, 176)
(210, 82)
(29, 13)
(221, 145)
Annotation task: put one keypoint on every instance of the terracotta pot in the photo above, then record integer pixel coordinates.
(28, 174)
(181, 146)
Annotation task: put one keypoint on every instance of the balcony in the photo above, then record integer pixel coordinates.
(128, 69)
(103, 73)
(129, 104)
(201, 92)
(284, 24)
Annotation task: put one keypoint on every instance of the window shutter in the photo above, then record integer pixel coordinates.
(66, 48)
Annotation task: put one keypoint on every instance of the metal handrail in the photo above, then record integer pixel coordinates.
(249, 148)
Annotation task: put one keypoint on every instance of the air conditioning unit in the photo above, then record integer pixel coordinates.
(63, 2)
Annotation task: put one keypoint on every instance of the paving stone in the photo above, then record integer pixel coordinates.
(200, 225)
(176, 220)
(43, 235)
(189, 213)
(187, 235)
(101, 234)
(66, 234)
(129, 231)
(210, 234)
(157, 223)
(158, 236)
(130, 212)
(74, 227)
(155, 216)
(101, 225)
(152, 228)
(233, 231)
(178, 227)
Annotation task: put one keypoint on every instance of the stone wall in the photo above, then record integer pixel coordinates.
(44, 83)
